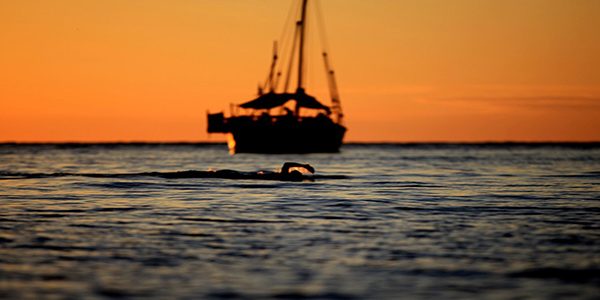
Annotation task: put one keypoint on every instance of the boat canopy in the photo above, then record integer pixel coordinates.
(272, 99)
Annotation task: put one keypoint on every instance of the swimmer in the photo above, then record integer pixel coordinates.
(286, 173)
(290, 171)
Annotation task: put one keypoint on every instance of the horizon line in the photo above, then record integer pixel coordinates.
(150, 142)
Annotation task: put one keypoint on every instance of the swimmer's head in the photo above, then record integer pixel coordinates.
(295, 173)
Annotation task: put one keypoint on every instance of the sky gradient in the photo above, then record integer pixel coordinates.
(414, 70)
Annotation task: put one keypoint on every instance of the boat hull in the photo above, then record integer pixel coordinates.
(295, 137)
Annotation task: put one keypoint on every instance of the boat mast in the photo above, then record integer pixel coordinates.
(301, 28)
(302, 25)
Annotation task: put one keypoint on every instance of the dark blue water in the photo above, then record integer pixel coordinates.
(406, 221)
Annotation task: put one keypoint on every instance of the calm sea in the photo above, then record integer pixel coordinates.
(408, 221)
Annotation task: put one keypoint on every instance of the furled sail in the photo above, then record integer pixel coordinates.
(271, 100)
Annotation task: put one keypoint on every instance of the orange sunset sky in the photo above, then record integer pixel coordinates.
(408, 70)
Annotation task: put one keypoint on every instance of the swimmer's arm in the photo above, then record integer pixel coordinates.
(286, 167)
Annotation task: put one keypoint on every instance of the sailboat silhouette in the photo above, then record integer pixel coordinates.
(261, 131)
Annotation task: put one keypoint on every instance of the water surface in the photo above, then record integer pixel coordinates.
(412, 221)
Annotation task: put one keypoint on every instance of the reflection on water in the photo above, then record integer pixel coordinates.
(418, 221)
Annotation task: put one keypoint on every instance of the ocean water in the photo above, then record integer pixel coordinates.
(417, 221)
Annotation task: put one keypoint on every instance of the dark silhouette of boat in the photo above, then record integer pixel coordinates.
(269, 125)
